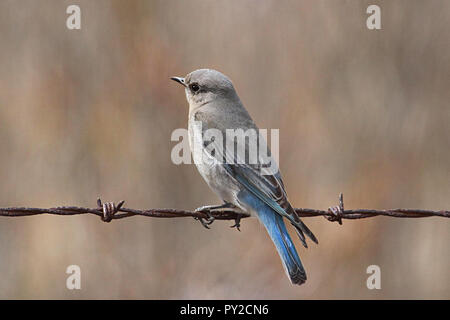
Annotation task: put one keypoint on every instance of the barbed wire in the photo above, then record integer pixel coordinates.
(109, 211)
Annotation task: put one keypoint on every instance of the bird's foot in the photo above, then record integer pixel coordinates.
(206, 222)
(207, 210)
(237, 222)
(216, 208)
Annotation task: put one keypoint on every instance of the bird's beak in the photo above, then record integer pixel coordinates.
(179, 80)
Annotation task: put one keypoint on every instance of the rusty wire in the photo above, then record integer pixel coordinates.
(109, 211)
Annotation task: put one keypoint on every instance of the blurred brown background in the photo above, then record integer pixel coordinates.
(87, 113)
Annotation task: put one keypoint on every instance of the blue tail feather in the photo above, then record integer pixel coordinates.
(278, 233)
(276, 228)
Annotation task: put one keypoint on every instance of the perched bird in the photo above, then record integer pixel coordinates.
(248, 187)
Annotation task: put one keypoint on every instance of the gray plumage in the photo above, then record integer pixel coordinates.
(214, 103)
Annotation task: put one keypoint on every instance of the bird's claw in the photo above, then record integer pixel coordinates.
(237, 222)
(205, 221)
(203, 209)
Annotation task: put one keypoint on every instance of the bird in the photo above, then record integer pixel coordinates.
(242, 185)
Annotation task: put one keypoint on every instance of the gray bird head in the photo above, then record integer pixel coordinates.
(206, 85)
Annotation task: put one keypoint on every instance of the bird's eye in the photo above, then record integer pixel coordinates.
(194, 87)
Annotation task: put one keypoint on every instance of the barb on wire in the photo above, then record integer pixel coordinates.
(108, 211)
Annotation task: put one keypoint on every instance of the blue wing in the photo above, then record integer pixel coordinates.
(270, 190)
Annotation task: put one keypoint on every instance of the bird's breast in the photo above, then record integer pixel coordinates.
(212, 171)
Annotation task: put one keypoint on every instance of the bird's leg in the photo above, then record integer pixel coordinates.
(208, 221)
(207, 210)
